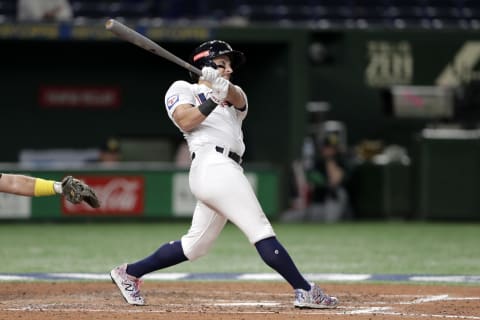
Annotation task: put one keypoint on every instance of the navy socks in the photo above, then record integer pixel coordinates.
(276, 257)
(166, 256)
(271, 251)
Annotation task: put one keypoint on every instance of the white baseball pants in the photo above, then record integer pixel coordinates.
(223, 193)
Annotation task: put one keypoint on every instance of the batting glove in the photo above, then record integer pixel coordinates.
(219, 89)
(209, 74)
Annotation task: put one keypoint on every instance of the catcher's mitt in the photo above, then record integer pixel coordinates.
(77, 191)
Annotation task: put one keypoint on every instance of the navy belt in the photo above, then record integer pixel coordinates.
(232, 155)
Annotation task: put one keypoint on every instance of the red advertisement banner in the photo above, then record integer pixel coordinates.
(79, 97)
(119, 196)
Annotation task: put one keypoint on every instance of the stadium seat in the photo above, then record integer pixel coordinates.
(340, 13)
(8, 10)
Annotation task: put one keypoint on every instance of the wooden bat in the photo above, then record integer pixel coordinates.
(130, 35)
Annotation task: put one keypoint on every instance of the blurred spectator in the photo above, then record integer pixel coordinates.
(321, 183)
(329, 200)
(44, 10)
(110, 151)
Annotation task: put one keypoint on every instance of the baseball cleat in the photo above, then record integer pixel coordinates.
(129, 285)
(314, 299)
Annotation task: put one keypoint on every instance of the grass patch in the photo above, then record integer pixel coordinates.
(396, 248)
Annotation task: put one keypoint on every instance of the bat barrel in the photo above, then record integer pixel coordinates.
(128, 34)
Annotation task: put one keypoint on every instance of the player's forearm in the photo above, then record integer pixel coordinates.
(28, 186)
(187, 117)
(235, 97)
(17, 184)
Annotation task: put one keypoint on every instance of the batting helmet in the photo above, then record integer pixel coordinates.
(204, 54)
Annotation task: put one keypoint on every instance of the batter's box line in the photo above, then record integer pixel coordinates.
(321, 277)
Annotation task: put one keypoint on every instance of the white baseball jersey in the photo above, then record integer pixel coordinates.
(223, 127)
(217, 181)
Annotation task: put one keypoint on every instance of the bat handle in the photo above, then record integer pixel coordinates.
(195, 70)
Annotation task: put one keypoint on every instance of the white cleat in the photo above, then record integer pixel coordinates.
(314, 299)
(129, 285)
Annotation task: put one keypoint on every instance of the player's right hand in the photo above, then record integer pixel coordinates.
(209, 74)
(219, 89)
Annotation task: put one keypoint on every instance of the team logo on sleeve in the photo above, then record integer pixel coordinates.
(171, 101)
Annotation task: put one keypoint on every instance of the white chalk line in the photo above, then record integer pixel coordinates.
(343, 277)
(441, 297)
(369, 310)
(248, 304)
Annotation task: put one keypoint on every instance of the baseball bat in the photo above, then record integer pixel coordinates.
(130, 35)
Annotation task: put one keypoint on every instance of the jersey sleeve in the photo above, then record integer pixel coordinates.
(180, 92)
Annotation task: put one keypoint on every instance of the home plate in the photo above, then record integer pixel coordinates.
(247, 304)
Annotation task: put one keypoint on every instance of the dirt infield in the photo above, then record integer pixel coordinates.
(233, 300)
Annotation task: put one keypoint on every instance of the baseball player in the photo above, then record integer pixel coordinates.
(73, 189)
(209, 113)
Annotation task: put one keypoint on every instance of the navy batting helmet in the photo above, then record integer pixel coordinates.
(204, 54)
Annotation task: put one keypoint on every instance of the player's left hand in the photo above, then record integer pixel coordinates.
(77, 191)
(220, 89)
(209, 74)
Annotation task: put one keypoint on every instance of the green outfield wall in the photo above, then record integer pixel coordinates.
(126, 193)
